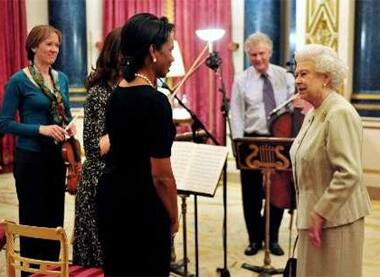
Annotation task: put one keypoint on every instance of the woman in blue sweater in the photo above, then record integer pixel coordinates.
(40, 96)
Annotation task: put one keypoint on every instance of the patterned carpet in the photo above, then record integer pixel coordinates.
(210, 219)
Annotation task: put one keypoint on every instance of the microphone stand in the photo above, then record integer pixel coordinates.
(195, 125)
(213, 62)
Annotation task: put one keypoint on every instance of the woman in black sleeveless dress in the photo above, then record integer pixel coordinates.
(137, 200)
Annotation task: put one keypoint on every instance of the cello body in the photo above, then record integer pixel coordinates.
(285, 124)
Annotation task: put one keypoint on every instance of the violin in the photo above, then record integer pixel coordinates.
(71, 154)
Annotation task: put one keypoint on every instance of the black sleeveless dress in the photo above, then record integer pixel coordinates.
(134, 226)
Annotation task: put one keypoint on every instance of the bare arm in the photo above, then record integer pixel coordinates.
(166, 188)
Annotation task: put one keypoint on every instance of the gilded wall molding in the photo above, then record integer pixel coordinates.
(371, 171)
(366, 96)
(322, 22)
(367, 107)
(77, 90)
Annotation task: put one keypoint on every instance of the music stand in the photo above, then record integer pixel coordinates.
(197, 169)
(268, 154)
(195, 126)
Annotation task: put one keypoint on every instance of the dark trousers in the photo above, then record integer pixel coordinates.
(40, 185)
(253, 195)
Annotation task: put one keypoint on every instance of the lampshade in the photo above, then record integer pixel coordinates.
(210, 34)
(176, 69)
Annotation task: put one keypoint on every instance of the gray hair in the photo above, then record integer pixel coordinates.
(255, 39)
(326, 61)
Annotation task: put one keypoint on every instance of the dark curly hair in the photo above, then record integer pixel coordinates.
(108, 65)
(140, 32)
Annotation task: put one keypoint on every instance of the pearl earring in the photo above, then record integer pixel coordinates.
(154, 60)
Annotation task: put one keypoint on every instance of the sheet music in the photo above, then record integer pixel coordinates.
(197, 167)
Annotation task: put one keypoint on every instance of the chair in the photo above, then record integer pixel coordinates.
(41, 268)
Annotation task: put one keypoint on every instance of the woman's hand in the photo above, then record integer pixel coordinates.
(104, 145)
(315, 229)
(72, 130)
(174, 227)
(164, 183)
(54, 131)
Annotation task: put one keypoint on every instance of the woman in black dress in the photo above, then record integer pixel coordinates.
(106, 75)
(137, 199)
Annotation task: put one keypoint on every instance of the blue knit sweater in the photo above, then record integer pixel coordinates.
(24, 96)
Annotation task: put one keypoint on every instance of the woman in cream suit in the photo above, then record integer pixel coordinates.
(327, 168)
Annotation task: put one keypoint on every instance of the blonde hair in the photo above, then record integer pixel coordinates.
(255, 39)
(326, 61)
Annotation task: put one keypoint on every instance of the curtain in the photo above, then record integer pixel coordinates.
(202, 87)
(117, 12)
(12, 57)
(205, 99)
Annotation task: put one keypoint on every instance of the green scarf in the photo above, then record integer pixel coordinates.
(57, 108)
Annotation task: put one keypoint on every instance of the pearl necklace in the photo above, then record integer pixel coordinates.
(142, 76)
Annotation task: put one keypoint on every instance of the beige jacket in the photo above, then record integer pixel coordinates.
(327, 165)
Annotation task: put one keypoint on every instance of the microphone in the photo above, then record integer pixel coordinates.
(275, 110)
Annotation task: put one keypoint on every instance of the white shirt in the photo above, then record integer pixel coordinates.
(247, 106)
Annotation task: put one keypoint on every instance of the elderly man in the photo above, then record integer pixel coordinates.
(256, 92)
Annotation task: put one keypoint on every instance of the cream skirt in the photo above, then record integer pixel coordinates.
(340, 253)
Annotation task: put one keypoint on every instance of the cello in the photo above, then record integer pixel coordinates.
(284, 122)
